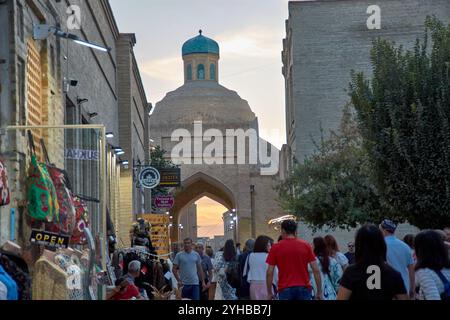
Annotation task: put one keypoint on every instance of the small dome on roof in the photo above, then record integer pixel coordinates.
(200, 44)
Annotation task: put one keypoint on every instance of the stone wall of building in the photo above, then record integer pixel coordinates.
(19, 55)
(96, 71)
(188, 219)
(133, 122)
(94, 100)
(325, 41)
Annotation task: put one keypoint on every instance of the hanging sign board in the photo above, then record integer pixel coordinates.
(49, 239)
(164, 202)
(170, 177)
(149, 177)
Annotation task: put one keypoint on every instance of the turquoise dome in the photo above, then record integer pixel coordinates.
(200, 44)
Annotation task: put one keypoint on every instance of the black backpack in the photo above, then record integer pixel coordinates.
(445, 296)
(233, 274)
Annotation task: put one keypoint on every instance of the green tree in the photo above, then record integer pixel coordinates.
(332, 187)
(403, 113)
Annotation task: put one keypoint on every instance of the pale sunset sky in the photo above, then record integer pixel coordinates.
(249, 33)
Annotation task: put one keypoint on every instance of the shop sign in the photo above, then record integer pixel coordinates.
(149, 178)
(49, 239)
(170, 177)
(80, 154)
(164, 202)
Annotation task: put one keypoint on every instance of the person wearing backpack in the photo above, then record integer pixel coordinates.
(255, 269)
(432, 268)
(228, 275)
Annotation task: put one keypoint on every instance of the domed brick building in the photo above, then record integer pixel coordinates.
(204, 109)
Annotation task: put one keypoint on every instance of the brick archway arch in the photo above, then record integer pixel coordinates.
(196, 187)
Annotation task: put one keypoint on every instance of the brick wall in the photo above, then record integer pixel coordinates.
(328, 40)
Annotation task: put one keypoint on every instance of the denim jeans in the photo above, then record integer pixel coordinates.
(296, 293)
(191, 292)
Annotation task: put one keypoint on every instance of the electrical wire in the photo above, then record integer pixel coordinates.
(248, 70)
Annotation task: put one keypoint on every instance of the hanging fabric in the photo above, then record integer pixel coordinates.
(49, 281)
(41, 193)
(64, 198)
(74, 273)
(4, 187)
(81, 221)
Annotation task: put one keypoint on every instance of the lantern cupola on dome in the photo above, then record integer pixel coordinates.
(201, 56)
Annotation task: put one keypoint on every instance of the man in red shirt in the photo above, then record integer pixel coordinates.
(292, 256)
(124, 290)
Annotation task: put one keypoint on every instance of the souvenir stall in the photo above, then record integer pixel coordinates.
(148, 238)
(54, 238)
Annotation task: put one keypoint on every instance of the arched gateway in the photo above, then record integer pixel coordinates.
(213, 134)
(196, 187)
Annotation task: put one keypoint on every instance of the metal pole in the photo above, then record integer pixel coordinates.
(103, 174)
(252, 207)
(237, 227)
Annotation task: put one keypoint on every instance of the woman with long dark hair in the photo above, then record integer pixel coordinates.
(330, 270)
(371, 278)
(432, 267)
(255, 268)
(333, 249)
(226, 266)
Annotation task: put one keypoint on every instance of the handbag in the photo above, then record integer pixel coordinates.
(64, 198)
(4, 187)
(81, 221)
(41, 193)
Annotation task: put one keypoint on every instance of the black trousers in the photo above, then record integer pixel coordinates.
(204, 295)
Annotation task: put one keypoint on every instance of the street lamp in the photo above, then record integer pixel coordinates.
(234, 223)
(43, 31)
(118, 150)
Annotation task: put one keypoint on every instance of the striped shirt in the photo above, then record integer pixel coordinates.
(430, 285)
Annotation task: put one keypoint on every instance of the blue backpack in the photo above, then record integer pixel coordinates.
(445, 296)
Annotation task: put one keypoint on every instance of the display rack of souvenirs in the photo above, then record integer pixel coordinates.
(152, 269)
(59, 276)
(50, 200)
(53, 207)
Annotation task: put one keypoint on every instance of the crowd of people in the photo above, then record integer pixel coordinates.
(377, 266)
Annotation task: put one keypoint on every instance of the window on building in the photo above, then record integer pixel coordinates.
(20, 22)
(201, 72)
(212, 71)
(21, 91)
(189, 72)
(52, 61)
